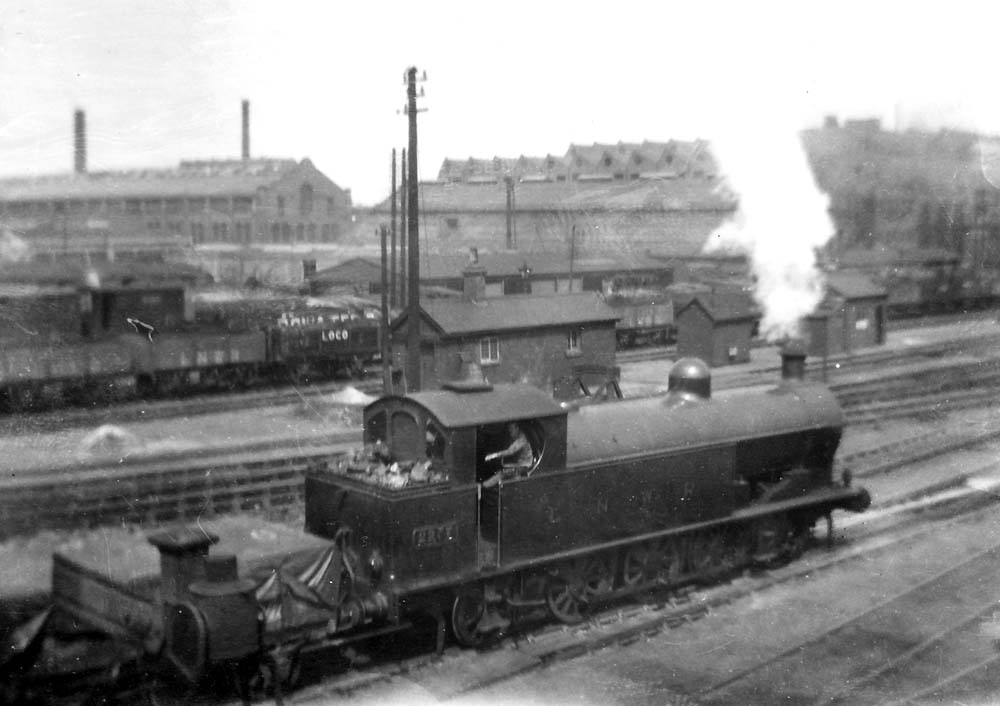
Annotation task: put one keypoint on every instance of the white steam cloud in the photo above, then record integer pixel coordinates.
(781, 221)
(13, 248)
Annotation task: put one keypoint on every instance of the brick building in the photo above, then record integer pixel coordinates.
(239, 202)
(595, 199)
(537, 340)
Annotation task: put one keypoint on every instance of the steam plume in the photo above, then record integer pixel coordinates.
(782, 220)
(13, 248)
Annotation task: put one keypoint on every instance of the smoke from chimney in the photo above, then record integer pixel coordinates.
(781, 222)
(79, 142)
(246, 130)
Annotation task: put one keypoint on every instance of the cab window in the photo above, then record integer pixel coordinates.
(375, 428)
(405, 438)
(435, 442)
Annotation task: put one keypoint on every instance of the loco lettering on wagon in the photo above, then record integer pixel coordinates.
(435, 535)
(334, 335)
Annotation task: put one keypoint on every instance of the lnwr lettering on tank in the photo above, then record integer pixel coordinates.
(435, 535)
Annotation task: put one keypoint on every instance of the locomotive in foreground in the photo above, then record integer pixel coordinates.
(604, 501)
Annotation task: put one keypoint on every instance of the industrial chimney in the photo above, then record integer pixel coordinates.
(79, 142)
(246, 130)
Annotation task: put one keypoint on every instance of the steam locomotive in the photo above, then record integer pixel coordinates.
(618, 497)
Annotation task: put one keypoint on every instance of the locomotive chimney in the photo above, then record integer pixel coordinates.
(246, 130)
(79, 142)
(183, 560)
(793, 359)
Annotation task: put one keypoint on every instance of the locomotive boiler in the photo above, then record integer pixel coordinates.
(425, 521)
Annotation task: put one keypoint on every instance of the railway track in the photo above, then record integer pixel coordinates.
(270, 474)
(262, 477)
(170, 409)
(903, 633)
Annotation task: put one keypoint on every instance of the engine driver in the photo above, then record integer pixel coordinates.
(517, 458)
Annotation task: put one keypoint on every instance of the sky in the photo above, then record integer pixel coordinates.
(162, 81)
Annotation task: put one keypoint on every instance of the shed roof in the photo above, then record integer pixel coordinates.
(723, 307)
(511, 313)
(189, 179)
(852, 285)
(501, 404)
(581, 195)
(502, 264)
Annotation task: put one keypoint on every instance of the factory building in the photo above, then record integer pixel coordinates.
(239, 203)
(626, 197)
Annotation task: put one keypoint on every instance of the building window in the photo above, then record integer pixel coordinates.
(220, 205)
(153, 225)
(305, 199)
(326, 232)
(312, 232)
(300, 233)
(133, 207)
(452, 222)
(286, 233)
(275, 233)
(331, 206)
(242, 204)
(281, 205)
(489, 351)
(197, 205)
(573, 341)
(173, 205)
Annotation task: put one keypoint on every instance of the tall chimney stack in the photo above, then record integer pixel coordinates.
(246, 130)
(79, 142)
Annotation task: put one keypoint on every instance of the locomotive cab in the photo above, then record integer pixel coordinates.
(418, 495)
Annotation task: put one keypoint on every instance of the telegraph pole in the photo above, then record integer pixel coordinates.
(392, 230)
(413, 363)
(384, 342)
(402, 233)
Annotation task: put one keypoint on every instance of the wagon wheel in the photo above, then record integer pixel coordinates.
(466, 612)
(276, 673)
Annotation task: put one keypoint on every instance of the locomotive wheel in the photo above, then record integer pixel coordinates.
(708, 553)
(466, 612)
(669, 561)
(575, 584)
(562, 597)
(638, 565)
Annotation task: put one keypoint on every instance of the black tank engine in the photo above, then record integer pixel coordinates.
(426, 520)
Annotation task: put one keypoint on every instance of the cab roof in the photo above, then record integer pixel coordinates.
(503, 403)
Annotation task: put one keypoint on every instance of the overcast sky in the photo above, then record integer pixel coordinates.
(162, 81)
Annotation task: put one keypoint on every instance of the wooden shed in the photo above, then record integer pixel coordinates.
(717, 329)
(850, 316)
